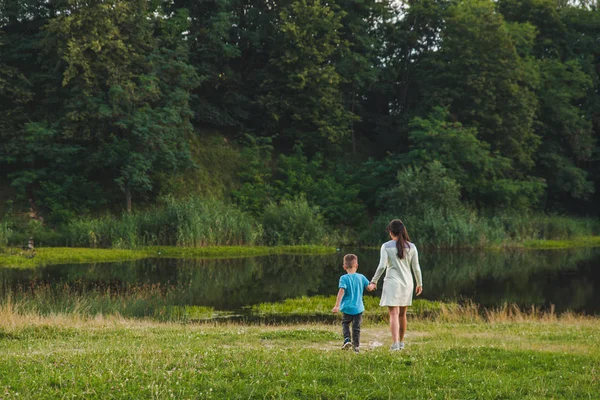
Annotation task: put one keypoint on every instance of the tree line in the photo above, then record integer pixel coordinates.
(349, 104)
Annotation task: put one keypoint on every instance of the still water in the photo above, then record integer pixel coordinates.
(569, 279)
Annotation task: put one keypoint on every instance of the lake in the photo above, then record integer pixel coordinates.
(568, 279)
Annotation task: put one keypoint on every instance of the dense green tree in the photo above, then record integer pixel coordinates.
(406, 38)
(43, 169)
(100, 100)
(564, 120)
(302, 91)
(364, 25)
(128, 89)
(484, 176)
(478, 73)
(219, 36)
(583, 25)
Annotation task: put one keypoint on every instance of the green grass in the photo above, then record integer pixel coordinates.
(67, 357)
(69, 255)
(154, 301)
(585, 241)
(322, 305)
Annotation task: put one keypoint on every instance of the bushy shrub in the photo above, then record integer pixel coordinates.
(420, 189)
(23, 229)
(293, 222)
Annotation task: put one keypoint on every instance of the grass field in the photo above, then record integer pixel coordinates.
(502, 356)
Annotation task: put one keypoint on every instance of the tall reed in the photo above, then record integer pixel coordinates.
(467, 229)
(189, 222)
(5, 234)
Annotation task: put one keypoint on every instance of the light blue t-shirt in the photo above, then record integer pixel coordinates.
(353, 285)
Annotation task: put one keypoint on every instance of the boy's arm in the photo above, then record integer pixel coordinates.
(338, 300)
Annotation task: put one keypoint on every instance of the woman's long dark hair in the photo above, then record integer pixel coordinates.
(397, 228)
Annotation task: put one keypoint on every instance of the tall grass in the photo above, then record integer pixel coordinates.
(172, 303)
(5, 234)
(189, 222)
(467, 229)
(156, 302)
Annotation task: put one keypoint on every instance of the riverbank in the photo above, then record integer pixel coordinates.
(113, 357)
(13, 257)
(69, 255)
(585, 241)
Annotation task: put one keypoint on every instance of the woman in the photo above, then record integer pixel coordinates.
(398, 257)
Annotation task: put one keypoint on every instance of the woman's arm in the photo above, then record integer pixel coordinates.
(416, 268)
(383, 262)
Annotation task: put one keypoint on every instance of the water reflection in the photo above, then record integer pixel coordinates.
(566, 278)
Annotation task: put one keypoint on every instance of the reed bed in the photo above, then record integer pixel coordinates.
(5, 234)
(195, 223)
(468, 229)
(190, 222)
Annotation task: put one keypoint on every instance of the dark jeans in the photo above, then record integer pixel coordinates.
(356, 320)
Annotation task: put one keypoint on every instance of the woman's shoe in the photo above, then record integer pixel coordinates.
(397, 346)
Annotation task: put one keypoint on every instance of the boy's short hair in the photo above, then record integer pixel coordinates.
(350, 260)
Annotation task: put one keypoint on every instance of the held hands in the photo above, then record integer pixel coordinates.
(371, 287)
(418, 290)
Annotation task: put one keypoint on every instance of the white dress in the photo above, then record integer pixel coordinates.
(398, 282)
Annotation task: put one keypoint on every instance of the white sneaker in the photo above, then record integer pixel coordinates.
(397, 346)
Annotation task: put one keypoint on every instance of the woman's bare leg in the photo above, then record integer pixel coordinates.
(394, 324)
(402, 322)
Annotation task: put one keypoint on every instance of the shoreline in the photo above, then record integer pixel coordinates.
(17, 258)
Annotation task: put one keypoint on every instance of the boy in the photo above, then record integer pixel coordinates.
(350, 301)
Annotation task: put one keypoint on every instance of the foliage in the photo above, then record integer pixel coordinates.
(483, 176)
(301, 94)
(422, 188)
(189, 222)
(330, 187)
(293, 222)
(114, 103)
(488, 84)
(5, 234)
(256, 191)
(124, 108)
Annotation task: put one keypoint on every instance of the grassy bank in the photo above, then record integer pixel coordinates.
(13, 257)
(585, 241)
(69, 255)
(112, 357)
